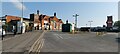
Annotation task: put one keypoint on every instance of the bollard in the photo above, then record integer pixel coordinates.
(73, 31)
(98, 33)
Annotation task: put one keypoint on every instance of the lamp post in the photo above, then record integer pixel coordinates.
(86, 25)
(21, 19)
(90, 24)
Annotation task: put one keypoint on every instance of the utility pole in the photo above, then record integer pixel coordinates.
(76, 15)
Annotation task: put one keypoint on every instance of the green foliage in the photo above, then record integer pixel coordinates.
(117, 24)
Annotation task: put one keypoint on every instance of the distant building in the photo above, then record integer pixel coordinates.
(9, 18)
(109, 21)
(36, 21)
(46, 22)
(12, 21)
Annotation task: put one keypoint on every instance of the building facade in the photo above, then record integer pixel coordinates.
(109, 21)
(46, 22)
(16, 21)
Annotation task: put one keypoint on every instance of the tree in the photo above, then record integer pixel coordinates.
(117, 24)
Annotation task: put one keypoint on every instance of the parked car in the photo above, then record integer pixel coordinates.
(114, 29)
(85, 29)
(98, 29)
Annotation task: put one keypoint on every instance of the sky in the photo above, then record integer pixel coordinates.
(87, 11)
(63, 0)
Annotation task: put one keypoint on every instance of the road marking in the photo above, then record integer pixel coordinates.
(42, 44)
(58, 36)
(39, 47)
(113, 33)
(35, 47)
(11, 38)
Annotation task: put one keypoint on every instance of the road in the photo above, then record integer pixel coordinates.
(55, 41)
(20, 43)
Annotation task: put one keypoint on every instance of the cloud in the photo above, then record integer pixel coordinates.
(18, 4)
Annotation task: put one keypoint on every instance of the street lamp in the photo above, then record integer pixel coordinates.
(90, 24)
(86, 25)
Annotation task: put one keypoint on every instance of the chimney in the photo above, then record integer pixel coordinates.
(38, 12)
(55, 14)
(109, 18)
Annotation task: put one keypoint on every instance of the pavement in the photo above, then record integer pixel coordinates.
(83, 42)
(20, 42)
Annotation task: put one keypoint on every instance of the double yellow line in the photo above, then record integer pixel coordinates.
(37, 45)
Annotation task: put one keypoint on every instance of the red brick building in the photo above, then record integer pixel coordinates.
(109, 21)
(45, 21)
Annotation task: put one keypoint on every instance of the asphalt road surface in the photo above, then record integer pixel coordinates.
(21, 42)
(55, 41)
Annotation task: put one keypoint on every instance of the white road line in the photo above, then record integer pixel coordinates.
(5, 39)
(61, 37)
(113, 33)
(68, 36)
(58, 36)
